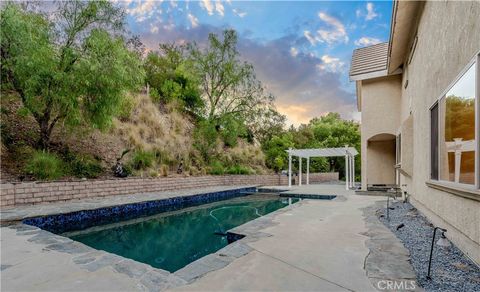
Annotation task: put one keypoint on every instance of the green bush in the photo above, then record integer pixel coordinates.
(45, 166)
(232, 128)
(85, 166)
(154, 95)
(142, 159)
(239, 169)
(127, 105)
(216, 168)
(205, 139)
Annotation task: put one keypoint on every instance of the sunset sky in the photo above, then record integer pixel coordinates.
(301, 50)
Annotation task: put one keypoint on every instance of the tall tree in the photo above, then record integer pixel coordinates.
(72, 69)
(229, 86)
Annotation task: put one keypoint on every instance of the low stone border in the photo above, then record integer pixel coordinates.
(85, 257)
(30, 193)
(388, 264)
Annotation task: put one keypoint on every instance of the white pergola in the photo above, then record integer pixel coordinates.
(348, 152)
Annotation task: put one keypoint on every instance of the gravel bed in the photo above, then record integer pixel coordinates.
(451, 270)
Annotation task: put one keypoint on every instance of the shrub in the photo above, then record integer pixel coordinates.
(164, 170)
(45, 166)
(239, 169)
(142, 159)
(232, 128)
(278, 163)
(153, 173)
(85, 166)
(126, 107)
(154, 95)
(216, 168)
(205, 139)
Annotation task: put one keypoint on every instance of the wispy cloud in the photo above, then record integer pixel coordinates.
(143, 10)
(212, 7)
(153, 28)
(219, 8)
(331, 64)
(293, 51)
(311, 39)
(371, 14)
(239, 13)
(208, 6)
(367, 41)
(335, 31)
(193, 20)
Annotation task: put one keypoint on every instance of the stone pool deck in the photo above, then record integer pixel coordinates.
(314, 245)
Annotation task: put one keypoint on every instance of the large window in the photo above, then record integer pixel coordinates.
(454, 131)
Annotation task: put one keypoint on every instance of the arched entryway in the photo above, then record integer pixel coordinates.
(381, 159)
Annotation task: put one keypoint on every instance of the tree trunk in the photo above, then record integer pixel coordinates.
(44, 140)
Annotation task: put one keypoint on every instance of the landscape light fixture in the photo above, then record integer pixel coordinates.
(441, 242)
(388, 206)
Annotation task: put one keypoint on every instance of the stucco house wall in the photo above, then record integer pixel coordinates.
(381, 100)
(448, 39)
(381, 159)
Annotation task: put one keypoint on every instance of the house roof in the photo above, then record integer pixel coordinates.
(404, 21)
(369, 62)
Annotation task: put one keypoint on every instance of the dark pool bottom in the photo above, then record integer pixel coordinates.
(171, 240)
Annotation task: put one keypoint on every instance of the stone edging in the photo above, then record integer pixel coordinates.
(146, 276)
(388, 261)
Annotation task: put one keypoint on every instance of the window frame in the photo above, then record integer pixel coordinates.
(476, 186)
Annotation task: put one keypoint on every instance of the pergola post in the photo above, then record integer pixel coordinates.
(289, 168)
(308, 170)
(299, 170)
(353, 171)
(347, 162)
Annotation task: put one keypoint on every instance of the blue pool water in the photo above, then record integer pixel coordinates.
(171, 240)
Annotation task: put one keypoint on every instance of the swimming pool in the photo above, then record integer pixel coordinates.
(171, 240)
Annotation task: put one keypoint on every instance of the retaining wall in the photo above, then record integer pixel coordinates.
(28, 193)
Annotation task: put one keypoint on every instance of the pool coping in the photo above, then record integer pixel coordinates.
(149, 277)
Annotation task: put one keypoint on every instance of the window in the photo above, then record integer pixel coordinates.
(454, 132)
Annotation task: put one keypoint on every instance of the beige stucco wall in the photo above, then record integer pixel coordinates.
(381, 101)
(448, 38)
(381, 161)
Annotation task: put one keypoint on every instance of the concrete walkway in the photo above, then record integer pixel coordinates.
(314, 245)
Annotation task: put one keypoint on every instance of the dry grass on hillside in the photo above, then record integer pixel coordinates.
(167, 132)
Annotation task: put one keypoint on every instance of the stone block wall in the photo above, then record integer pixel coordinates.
(29, 193)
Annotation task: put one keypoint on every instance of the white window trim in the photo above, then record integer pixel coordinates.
(477, 123)
(476, 186)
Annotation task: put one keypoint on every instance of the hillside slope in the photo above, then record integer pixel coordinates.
(163, 133)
